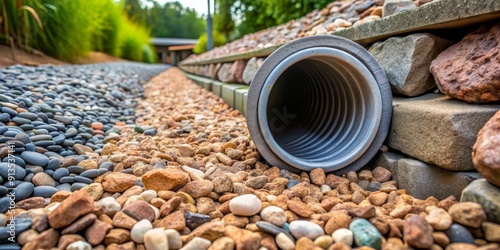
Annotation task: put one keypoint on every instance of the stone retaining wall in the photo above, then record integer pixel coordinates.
(445, 81)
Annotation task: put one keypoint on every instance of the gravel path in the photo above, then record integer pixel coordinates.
(186, 175)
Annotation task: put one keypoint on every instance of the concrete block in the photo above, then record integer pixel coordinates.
(239, 102)
(423, 180)
(388, 160)
(437, 129)
(229, 94)
(207, 85)
(245, 97)
(217, 88)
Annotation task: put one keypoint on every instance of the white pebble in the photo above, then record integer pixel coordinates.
(132, 199)
(156, 239)
(79, 245)
(245, 205)
(343, 235)
(157, 211)
(271, 197)
(303, 228)
(174, 239)
(274, 215)
(197, 243)
(148, 195)
(325, 189)
(284, 242)
(195, 174)
(3, 220)
(139, 230)
(110, 205)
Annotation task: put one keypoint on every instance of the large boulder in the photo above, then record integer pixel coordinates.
(252, 67)
(468, 70)
(486, 194)
(486, 150)
(406, 61)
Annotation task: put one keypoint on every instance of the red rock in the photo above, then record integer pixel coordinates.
(468, 70)
(198, 188)
(175, 220)
(140, 210)
(118, 182)
(165, 179)
(96, 233)
(417, 232)
(78, 204)
(46, 240)
(244, 239)
(486, 151)
(80, 224)
(96, 126)
(31, 203)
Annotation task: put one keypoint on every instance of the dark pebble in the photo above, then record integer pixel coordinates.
(151, 132)
(54, 163)
(36, 138)
(91, 173)
(29, 177)
(77, 186)
(9, 169)
(17, 160)
(194, 220)
(59, 173)
(458, 233)
(4, 204)
(374, 186)
(75, 169)
(21, 225)
(21, 121)
(3, 191)
(4, 117)
(23, 137)
(24, 190)
(271, 229)
(44, 191)
(107, 165)
(83, 179)
(64, 187)
(35, 158)
(291, 183)
(67, 179)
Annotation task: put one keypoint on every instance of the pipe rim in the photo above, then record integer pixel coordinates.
(329, 41)
(372, 108)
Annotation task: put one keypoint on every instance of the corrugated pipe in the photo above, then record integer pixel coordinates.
(319, 102)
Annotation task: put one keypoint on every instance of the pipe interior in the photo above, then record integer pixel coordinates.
(318, 111)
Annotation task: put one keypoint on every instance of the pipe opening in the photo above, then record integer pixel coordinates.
(319, 107)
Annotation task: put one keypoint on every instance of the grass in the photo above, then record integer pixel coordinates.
(69, 29)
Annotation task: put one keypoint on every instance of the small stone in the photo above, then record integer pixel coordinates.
(118, 182)
(458, 233)
(76, 205)
(274, 215)
(378, 198)
(244, 239)
(43, 179)
(222, 243)
(88, 164)
(30, 203)
(121, 220)
(222, 184)
(156, 239)
(110, 205)
(401, 210)
(339, 219)
(197, 243)
(174, 239)
(365, 212)
(80, 224)
(305, 243)
(318, 176)
(461, 246)
(300, 208)
(441, 239)
(198, 188)
(365, 234)
(165, 179)
(95, 190)
(303, 228)
(175, 220)
(82, 149)
(139, 230)
(79, 245)
(117, 236)
(491, 231)
(381, 174)
(468, 213)
(139, 210)
(439, 219)
(344, 236)
(271, 228)
(35, 158)
(284, 242)
(245, 205)
(417, 232)
(96, 233)
(27, 236)
(324, 241)
(194, 220)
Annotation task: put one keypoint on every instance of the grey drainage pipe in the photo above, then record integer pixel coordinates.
(319, 102)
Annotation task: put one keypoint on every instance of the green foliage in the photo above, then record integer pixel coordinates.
(69, 29)
(261, 14)
(172, 20)
(135, 43)
(201, 46)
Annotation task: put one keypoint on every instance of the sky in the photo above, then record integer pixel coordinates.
(200, 6)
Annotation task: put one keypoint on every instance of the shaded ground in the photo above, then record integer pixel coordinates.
(10, 57)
